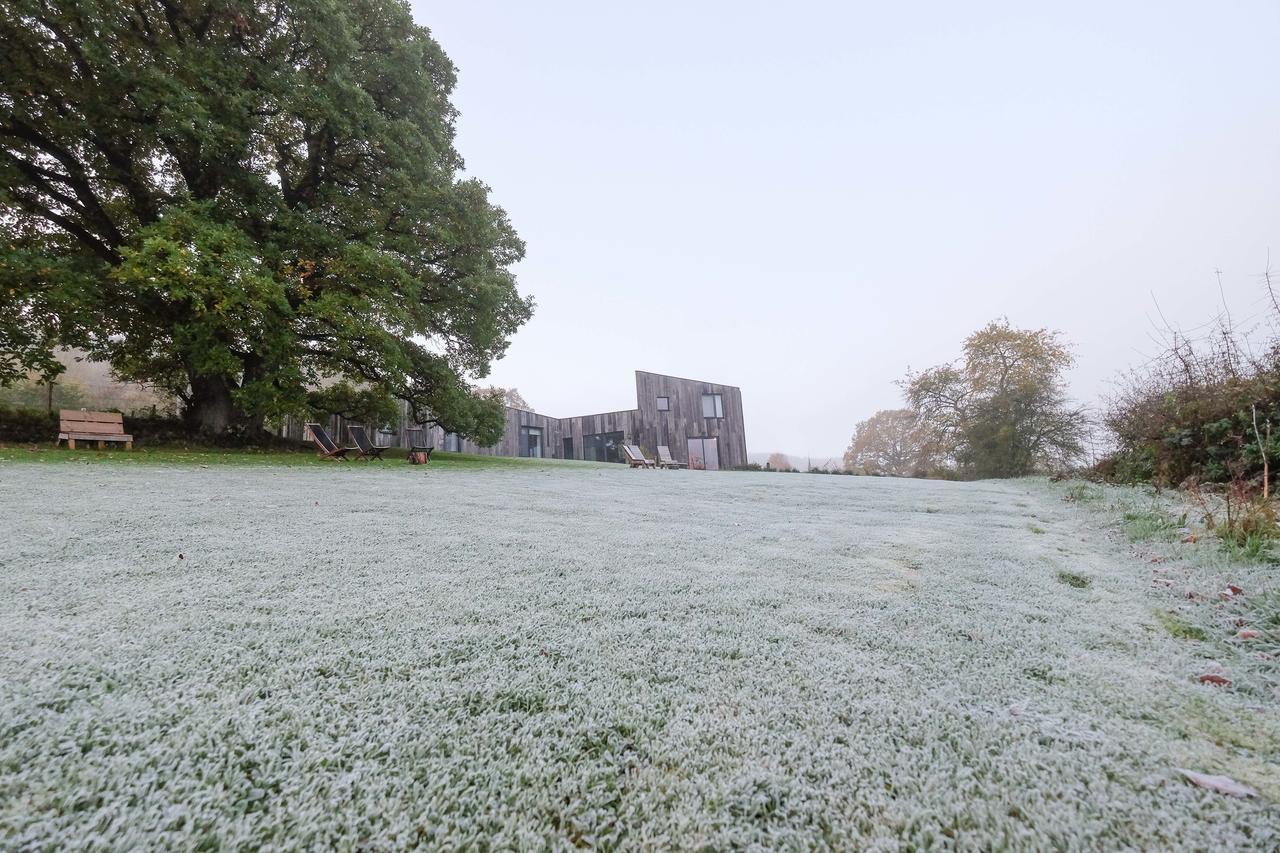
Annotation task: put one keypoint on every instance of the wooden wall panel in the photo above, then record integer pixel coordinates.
(684, 420)
(643, 425)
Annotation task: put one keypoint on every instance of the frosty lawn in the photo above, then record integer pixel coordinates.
(378, 656)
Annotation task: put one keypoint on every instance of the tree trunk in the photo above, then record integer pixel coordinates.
(211, 410)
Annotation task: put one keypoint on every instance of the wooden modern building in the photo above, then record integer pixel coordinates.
(701, 423)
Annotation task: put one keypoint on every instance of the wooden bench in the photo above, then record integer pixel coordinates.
(76, 425)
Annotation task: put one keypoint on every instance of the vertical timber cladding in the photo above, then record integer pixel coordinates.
(645, 425)
(509, 445)
(684, 418)
(584, 425)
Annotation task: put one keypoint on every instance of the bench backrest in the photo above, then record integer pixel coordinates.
(664, 453)
(360, 437)
(633, 450)
(321, 437)
(94, 423)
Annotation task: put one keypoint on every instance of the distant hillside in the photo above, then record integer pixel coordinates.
(85, 384)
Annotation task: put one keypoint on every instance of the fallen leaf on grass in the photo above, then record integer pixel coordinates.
(1221, 784)
(1190, 539)
(1214, 678)
(1233, 589)
(1246, 634)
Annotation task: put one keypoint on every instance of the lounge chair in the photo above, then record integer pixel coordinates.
(419, 451)
(666, 460)
(325, 444)
(635, 458)
(368, 450)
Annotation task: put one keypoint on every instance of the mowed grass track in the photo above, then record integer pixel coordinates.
(556, 655)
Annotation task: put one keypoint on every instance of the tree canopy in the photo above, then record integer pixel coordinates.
(239, 201)
(894, 442)
(1002, 410)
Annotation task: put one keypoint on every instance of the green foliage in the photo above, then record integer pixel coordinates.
(27, 425)
(1203, 410)
(1002, 411)
(1073, 579)
(1179, 628)
(1083, 493)
(238, 206)
(366, 404)
(1151, 524)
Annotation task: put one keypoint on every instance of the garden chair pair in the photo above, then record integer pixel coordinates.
(329, 449)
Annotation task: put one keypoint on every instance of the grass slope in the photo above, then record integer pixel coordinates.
(558, 655)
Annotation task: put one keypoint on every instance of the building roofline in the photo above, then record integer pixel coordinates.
(687, 379)
(623, 411)
(602, 414)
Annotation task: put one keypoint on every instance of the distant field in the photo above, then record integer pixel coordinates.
(530, 655)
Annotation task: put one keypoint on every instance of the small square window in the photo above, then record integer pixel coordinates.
(712, 406)
(664, 404)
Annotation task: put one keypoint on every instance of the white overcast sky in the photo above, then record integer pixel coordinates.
(804, 199)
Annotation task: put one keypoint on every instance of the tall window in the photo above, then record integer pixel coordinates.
(531, 442)
(664, 404)
(452, 443)
(712, 406)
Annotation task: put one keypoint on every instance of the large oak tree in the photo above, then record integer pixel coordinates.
(235, 200)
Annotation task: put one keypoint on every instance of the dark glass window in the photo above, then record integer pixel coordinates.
(664, 404)
(531, 442)
(602, 447)
(568, 448)
(712, 406)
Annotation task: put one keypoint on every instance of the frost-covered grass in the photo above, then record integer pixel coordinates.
(554, 655)
(50, 454)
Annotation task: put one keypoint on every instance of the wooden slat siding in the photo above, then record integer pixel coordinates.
(584, 425)
(644, 425)
(684, 420)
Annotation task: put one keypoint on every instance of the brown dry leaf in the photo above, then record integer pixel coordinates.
(1221, 784)
(1214, 678)
(1246, 634)
(1233, 589)
(1191, 539)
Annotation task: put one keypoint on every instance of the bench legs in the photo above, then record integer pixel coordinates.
(71, 444)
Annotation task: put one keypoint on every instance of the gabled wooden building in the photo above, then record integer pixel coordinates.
(701, 422)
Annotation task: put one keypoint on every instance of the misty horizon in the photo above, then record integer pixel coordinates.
(806, 204)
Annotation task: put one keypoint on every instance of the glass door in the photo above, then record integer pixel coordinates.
(532, 442)
(711, 454)
(704, 454)
(568, 448)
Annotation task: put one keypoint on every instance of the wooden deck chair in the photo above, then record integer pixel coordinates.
(419, 450)
(325, 444)
(666, 460)
(635, 458)
(368, 450)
